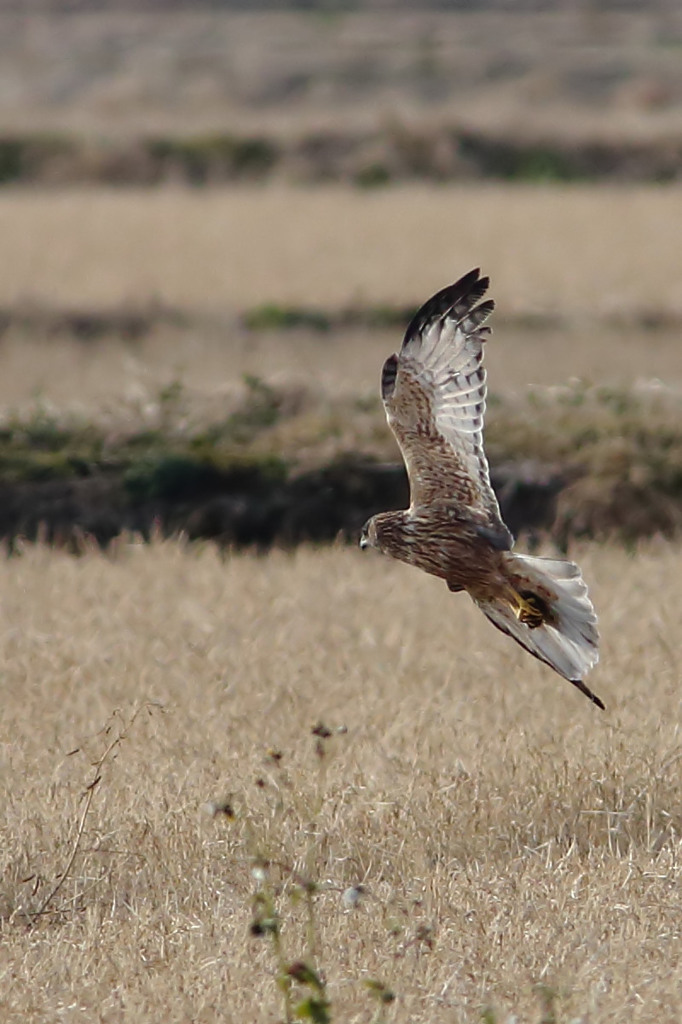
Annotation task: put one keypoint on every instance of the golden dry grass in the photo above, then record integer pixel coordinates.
(580, 251)
(507, 833)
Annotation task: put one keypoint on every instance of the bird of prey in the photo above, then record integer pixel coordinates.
(434, 395)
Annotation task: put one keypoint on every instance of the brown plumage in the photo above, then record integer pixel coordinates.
(434, 395)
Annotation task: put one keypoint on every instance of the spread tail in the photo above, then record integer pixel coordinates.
(548, 612)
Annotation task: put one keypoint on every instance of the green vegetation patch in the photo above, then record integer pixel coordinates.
(393, 153)
(272, 316)
(576, 460)
(204, 158)
(611, 433)
(28, 158)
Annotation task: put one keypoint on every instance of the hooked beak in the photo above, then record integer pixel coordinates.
(364, 542)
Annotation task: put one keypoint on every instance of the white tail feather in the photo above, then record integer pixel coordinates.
(569, 644)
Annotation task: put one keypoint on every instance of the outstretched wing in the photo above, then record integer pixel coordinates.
(434, 396)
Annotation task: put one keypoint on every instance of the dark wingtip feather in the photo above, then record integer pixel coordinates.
(388, 376)
(485, 308)
(465, 292)
(588, 693)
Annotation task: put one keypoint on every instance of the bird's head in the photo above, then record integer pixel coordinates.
(368, 534)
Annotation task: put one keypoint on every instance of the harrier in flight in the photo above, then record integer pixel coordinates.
(434, 395)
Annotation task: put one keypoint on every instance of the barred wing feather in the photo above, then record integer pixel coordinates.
(434, 394)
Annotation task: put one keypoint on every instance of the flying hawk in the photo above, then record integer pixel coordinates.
(434, 396)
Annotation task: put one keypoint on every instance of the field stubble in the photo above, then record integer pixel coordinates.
(514, 844)
(580, 251)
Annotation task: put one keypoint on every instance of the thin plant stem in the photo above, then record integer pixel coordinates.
(90, 791)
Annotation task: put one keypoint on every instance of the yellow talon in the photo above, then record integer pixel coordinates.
(528, 610)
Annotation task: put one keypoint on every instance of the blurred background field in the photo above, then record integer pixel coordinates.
(366, 75)
(155, 339)
(565, 252)
(215, 222)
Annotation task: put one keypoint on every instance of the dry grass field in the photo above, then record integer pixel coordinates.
(579, 251)
(600, 260)
(218, 768)
(518, 851)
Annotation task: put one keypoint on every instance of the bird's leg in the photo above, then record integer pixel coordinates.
(528, 609)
